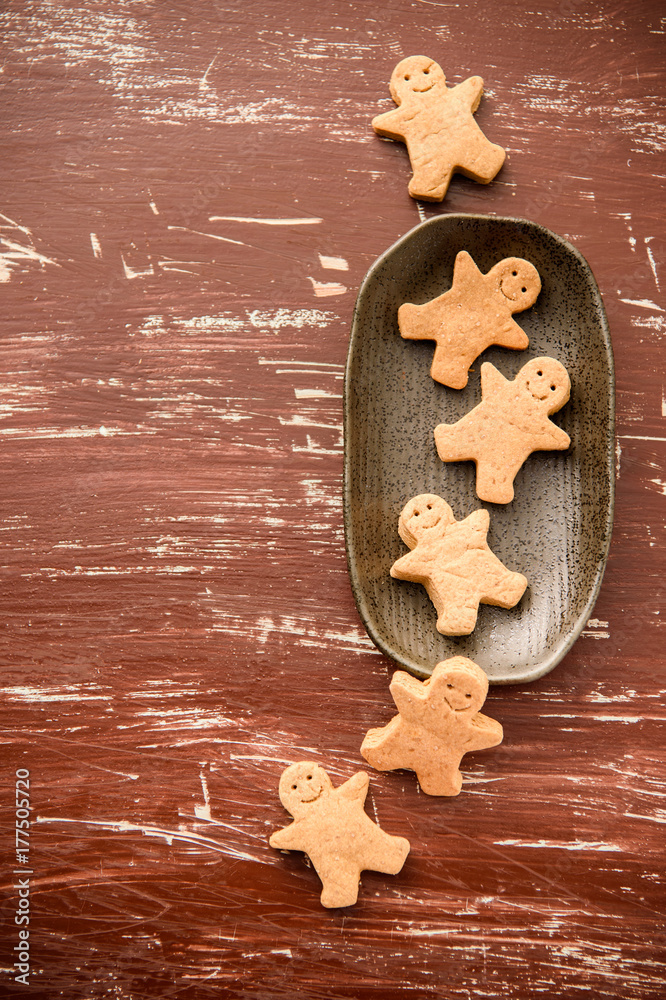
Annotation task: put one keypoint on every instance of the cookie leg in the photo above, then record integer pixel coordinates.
(387, 854)
(340, 882)
(483, 161)
(431, 177)
(456, 601)
(448, 783)
(450, 368)
(499, 585)
(493, 484)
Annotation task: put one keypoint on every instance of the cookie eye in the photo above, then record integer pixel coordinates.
(449, 685)
(294, 787)
(552, 388)
(426, 71)
(429, 506)
(309, 777)
(539, 374)
(417, 513)
(523, 289)
(468, 696)
(407, 77)
(514, 273)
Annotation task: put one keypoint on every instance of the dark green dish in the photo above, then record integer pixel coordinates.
(557, 529)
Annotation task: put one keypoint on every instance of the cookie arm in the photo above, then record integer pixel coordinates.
(409, 695)
(512, 336)
(391, 124)
(469, 91)
(478, 522)
(284, 839)
(486, 733)
(553, 438)
(408, 567)
(492, 380)
(464, 269)
(355, 788)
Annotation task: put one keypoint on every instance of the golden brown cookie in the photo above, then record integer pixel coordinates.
(509, 424)
(474, 313)
(437, 124)
(452, 560)
(438, 722)
(332, 828)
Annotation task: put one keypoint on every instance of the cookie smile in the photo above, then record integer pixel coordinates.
(313, 798)
(535, 394)
(511, 298)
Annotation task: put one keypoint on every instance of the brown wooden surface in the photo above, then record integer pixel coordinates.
(177, 623)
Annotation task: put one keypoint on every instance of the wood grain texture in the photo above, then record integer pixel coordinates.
(190, 196)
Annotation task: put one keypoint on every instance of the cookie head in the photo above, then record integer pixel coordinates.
(546, 381)
(518, 282)
(415, 75)
(302, 784)
(424, 515)
(461, 684)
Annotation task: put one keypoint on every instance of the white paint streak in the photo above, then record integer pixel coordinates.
(653, 266)
(131, 272)
(211, 236)
(643, 303)
(574, 845)
(333, 263)
(203, 812)
(63, 433)
(265, 222)
(326, 288)
(592, 630)
(660, 483)
(16, 253)
(96, 245)
(181, 834)
(297, 318)
(57, 692)
(640, 437)
(316, 394)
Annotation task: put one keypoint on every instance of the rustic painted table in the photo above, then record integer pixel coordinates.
(190, 197)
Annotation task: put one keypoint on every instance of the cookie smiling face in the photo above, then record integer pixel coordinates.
(547, 382)
(421, 514)
(462, 685)
(301, 785)
(518, 282)
(415, 75)
(461, 693)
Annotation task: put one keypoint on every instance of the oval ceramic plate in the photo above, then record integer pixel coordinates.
(557, 529)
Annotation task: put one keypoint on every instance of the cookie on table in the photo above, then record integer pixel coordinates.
(437, 124)
(476, 312)
(453, 561)
(509, 423)
(438, 722)
(332, 828)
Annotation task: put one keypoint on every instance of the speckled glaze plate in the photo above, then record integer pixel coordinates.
(557, 529)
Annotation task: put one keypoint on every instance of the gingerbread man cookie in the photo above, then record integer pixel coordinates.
(509, 424)
(474, 313)
(332, 828)
(437, 124)
(453, 561)
(438, 722)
